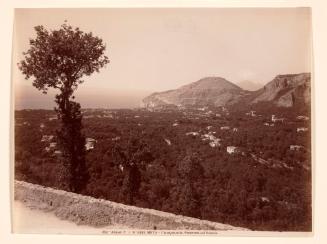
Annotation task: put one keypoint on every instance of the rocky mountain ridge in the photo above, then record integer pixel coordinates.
(284, 90)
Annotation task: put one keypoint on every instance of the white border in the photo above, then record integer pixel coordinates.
(319, 14)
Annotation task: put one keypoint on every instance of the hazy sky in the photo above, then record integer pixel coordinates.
(161, 49)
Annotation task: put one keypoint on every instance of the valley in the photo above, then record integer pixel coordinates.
(248, 166)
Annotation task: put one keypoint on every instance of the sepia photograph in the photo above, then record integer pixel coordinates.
(162, 121)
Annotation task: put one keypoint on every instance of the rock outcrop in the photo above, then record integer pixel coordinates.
(286, 90)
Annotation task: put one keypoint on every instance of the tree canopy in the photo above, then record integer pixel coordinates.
(60, 58)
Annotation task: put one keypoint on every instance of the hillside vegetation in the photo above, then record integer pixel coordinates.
(263, 185)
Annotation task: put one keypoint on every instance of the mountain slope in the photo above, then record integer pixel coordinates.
(286, 90)
(214, 91)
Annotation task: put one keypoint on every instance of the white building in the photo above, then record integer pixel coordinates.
(301, 129)
(89, 143)
(232, 149)
(275, 119)
(302, 117)
(268, 124)
(295, 147)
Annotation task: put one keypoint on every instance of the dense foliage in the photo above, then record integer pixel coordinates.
(264, 186)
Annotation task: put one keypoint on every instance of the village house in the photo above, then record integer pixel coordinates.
(89, 144)
(295, 147)
(251, 113)
(301, 129)
(235, 129)
(275, 119)
(268, 124)
(232, 149)
(302, 117)
(175, 124)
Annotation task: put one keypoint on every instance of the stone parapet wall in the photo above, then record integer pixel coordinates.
(99, 213)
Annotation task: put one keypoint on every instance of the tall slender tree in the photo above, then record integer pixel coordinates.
(59, 59)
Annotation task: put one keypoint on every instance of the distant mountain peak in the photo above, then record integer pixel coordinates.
(212, 82)
(215, 91)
